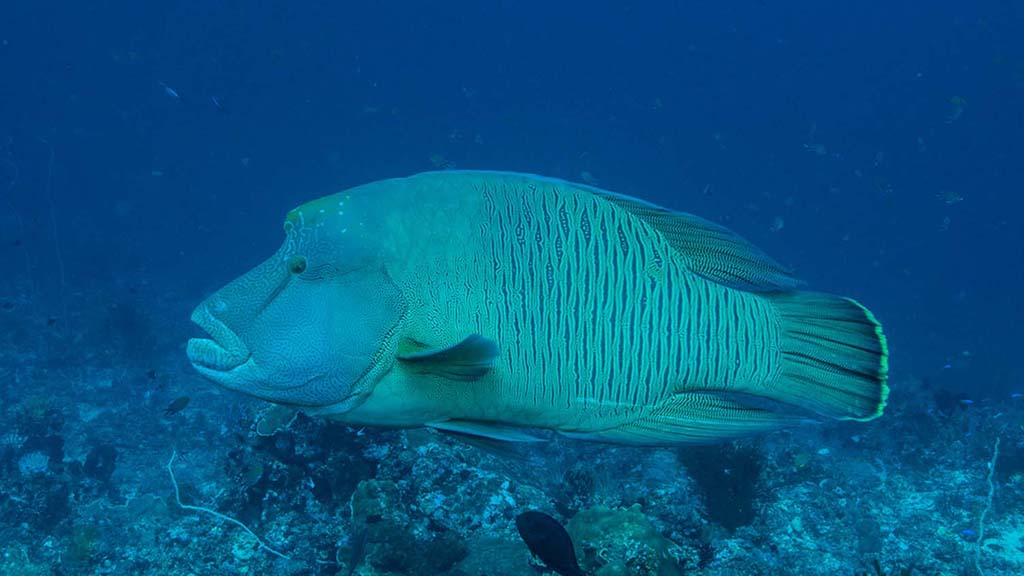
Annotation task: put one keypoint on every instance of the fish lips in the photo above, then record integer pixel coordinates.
(222, 353)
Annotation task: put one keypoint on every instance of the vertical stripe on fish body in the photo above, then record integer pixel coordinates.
(614, 319)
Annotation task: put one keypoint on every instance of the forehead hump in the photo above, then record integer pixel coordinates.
(332, 211)
(320, 223)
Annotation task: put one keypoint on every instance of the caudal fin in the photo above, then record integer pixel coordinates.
(835, 357)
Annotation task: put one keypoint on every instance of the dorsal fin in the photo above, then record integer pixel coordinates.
(709, 249)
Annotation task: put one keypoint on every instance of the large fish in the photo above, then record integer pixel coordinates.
(489, 303)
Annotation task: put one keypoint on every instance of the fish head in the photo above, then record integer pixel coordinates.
(309, 327)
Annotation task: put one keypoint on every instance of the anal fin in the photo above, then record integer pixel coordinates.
(695, 418)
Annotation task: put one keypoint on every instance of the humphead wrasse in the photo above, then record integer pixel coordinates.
(490, 303)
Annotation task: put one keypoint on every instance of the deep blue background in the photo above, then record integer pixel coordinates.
(707, 107)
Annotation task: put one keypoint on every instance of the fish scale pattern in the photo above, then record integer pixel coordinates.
(601, 318)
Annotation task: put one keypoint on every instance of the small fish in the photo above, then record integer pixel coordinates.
(220, 106)
(818, 149)
(548, 541)
(1016, 395)
(177, 406)
(958, 104)
(949, 197)
(170, 91)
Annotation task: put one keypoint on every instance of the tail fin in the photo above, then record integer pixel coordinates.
(835, 357)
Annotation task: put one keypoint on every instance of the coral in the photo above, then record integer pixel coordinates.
(33, 463)
(16, 562)
(82, 546)
(391, 544)
(373, 500)
(100, 463)
(576, 490)
(621, 542)
(214, 513)
(988, 506)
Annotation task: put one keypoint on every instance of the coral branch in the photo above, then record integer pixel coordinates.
(988, 506)
(177, 496)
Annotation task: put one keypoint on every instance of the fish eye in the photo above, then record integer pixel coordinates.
(297, 264)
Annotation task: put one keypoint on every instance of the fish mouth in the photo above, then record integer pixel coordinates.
(223, 352)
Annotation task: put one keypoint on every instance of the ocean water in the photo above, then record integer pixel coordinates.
(149, 153)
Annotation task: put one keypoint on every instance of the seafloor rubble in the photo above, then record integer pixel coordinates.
(85, 486)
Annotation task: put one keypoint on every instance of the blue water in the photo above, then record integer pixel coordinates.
(875, 147)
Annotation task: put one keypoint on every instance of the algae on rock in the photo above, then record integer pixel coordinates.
(622, 542)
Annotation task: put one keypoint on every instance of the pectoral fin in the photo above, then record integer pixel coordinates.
(468, 360)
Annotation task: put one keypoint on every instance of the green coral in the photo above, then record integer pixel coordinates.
(622, 542)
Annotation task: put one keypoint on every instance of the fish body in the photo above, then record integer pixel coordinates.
(219, 106)
(485, 303)
(176, 406)
(170, 92)
(548, 541)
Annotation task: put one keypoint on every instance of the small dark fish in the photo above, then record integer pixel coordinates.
(151, 374)
(549, 541)
(51, 321)
(177, 406)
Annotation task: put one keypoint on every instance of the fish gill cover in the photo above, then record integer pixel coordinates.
(149, 155)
